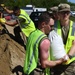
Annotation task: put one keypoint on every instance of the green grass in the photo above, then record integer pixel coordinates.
(72, 18)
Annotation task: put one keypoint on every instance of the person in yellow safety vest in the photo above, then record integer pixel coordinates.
(66, 29)
(37, 60)
(26, 24)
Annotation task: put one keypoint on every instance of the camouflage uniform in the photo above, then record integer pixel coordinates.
(70, 68)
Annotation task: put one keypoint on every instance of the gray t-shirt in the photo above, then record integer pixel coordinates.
(65, 31)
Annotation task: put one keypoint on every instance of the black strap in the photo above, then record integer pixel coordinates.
(70, 56)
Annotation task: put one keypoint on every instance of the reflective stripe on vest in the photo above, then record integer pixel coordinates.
(33, 52)
(58, 28)
(69, 39)
(26, 24)
(73, 30)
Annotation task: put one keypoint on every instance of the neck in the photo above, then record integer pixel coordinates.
(64, 22)
(42, 30)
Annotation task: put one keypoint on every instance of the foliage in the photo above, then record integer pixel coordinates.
(37, 3)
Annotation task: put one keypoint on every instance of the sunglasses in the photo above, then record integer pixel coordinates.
(65, 12)
(52, 26)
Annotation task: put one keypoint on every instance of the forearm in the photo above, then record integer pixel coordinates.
(11, 23)
(56, 62)
(7, 10)
(52, 63)
(72, 50)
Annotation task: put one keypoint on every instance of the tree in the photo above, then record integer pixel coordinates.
(37, 3)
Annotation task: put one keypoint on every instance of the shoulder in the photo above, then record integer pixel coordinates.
(45, 42)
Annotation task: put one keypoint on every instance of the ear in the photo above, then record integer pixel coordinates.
(43, 24)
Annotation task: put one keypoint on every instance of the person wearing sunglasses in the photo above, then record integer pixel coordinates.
(66, 29)
(37, 60)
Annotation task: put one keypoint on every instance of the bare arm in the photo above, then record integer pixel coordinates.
(21, 20)
(7, 10)
(44, 54)
(72, 50)
(11, 23)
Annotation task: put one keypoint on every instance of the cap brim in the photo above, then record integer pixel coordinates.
(64, 10)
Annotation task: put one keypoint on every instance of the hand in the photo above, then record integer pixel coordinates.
(2, 20)
(66, 57)
(2, 5)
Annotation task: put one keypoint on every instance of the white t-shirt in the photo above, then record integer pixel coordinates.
(57, 46)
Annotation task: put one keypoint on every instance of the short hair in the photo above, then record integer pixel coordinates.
(15, 8)
(44, 17)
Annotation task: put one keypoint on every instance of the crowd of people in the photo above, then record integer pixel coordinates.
(38, 60)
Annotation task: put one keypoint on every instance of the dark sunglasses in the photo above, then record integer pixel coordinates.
(65, 12)
(52, 26)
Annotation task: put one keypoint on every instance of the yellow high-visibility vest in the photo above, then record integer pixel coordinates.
(27, 26)
(71, 37)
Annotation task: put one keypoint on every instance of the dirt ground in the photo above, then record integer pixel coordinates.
(12, 52)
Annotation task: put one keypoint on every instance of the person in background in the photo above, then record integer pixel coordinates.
(26, 24)
(55, 12)
(37, 60)
(66, 29)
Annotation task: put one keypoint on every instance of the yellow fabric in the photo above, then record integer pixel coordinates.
(67, 62)
(2, 20)
(27, 27)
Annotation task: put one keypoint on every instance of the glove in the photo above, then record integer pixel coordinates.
(57, 45)
(2, 5)
(2, 20)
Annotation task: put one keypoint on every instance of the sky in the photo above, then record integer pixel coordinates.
(73, 1)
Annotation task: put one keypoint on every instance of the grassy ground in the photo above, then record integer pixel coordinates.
(72, 18)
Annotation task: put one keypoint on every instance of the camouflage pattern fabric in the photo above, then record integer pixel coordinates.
(64, 69)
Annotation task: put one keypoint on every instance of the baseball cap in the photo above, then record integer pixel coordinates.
(54, 9)
(63, 7)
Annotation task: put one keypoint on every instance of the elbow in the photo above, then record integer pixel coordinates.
(43, 65)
